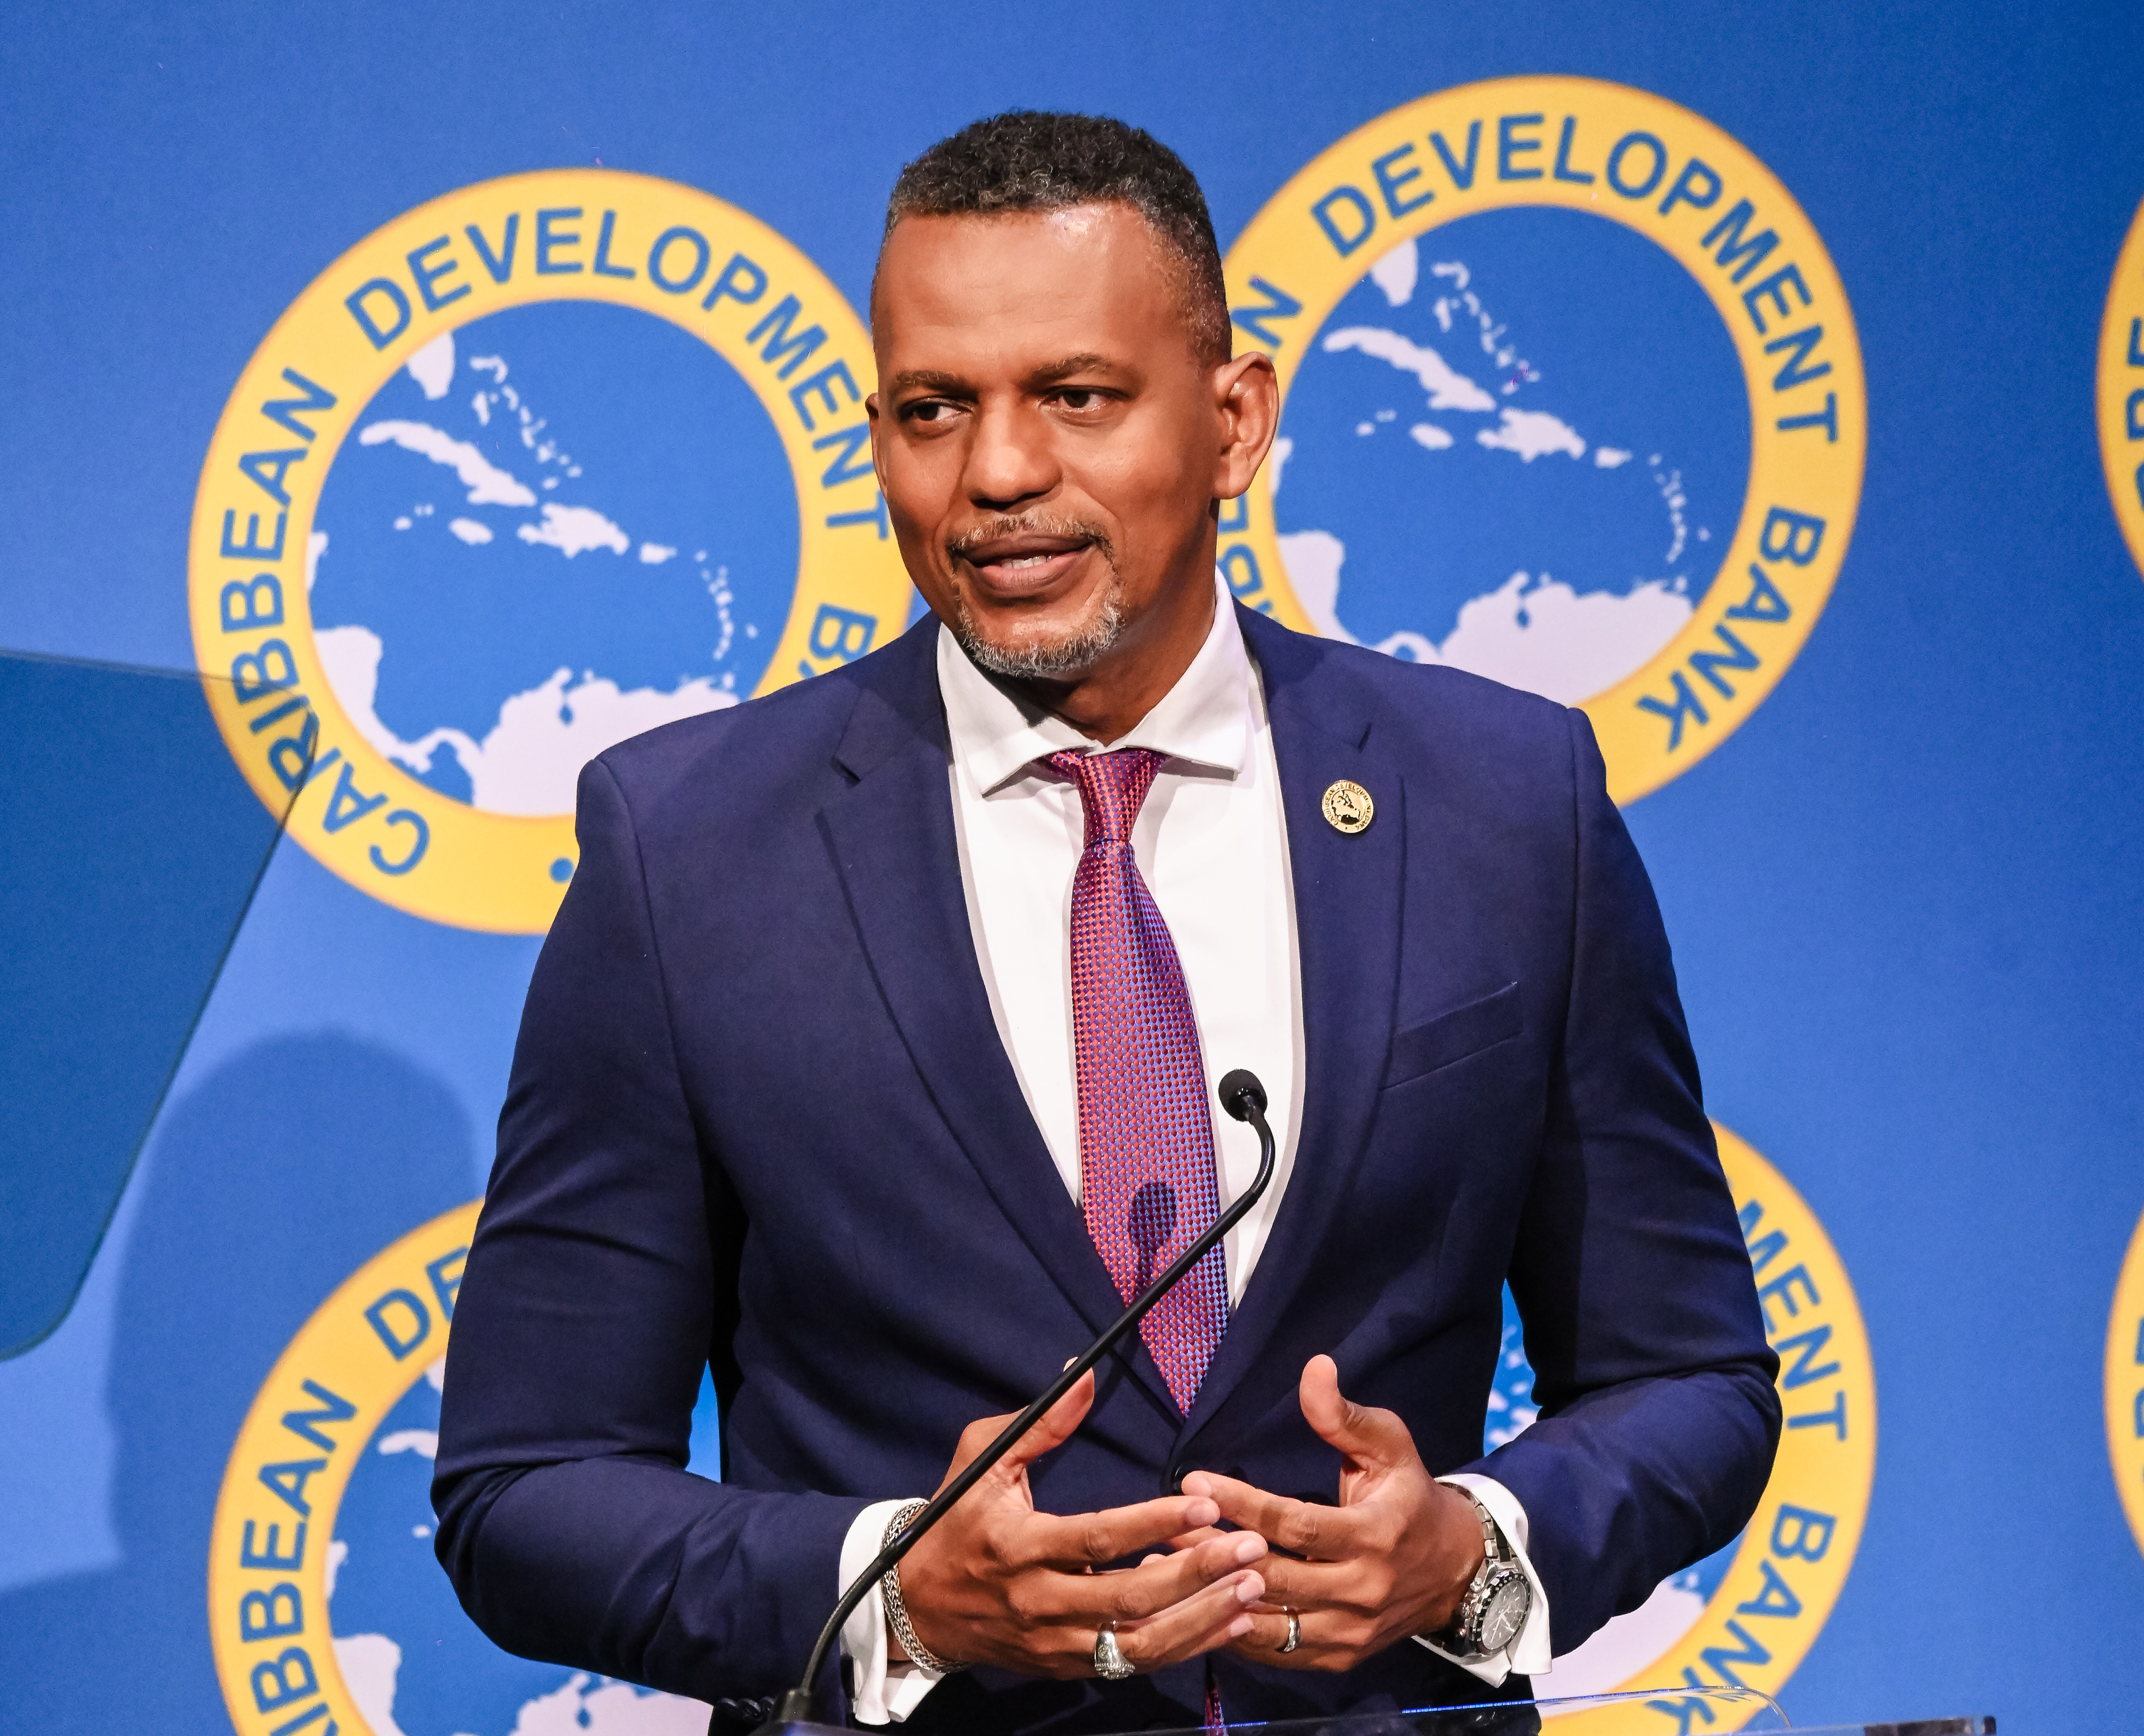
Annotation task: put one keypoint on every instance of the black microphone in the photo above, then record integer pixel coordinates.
(1154, 1215)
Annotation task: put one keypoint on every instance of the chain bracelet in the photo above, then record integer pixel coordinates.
(896, 1611)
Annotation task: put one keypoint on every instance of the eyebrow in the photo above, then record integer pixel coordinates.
(1086, 362)
(929, 379)
(932, 379)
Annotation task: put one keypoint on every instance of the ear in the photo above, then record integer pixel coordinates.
(1247, 398)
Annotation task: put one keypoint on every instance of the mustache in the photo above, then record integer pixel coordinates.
(1035, 524)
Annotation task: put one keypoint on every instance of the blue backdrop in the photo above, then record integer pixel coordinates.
(1904, 896)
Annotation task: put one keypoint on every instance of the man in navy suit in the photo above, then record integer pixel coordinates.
(873, 1003)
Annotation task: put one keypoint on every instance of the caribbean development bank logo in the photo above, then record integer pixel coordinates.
(511, 481)
(327, 1610)
(2125, 1384)
(2121, 394)
(1745, 1617)
(1572, 398)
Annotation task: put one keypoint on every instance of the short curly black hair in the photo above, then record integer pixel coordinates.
(1026, 161)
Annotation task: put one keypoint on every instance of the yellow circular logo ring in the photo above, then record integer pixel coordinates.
(1676, 178)
(588, 234)
(2121, 392)
(270, 1547)
(2125, 1381)
(1779, 1590)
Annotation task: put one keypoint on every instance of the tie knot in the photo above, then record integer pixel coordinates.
(1112, 788)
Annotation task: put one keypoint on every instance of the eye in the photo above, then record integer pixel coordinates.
(929, 409)
(1076, 398)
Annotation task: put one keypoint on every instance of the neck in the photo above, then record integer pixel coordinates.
(1106, 702)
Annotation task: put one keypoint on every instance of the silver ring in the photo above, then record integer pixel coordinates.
(1110, 1664)
(1294, 1629)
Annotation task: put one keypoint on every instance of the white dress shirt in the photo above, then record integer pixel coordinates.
(1211, 842)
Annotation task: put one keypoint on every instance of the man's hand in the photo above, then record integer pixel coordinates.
(1391, 1560)
(999, 1583)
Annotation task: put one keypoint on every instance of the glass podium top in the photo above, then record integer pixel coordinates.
(1675, 1711)
(132, 848)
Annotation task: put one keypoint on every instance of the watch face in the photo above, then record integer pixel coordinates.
(1507, 1613)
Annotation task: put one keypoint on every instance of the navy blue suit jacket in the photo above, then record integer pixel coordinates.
(760, 1118)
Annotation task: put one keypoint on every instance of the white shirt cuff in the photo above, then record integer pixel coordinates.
(1529, 1653)
(883, 1692)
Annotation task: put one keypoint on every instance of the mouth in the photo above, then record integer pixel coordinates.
(1031, 603)
(1022, 564)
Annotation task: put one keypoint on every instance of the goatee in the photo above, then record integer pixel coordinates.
(1028, 654)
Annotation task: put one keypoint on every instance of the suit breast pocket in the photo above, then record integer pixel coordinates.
(1454, 1035)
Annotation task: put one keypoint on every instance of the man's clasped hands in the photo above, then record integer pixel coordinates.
(998, 1583)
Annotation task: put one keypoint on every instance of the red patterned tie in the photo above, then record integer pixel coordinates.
(1146, 1140)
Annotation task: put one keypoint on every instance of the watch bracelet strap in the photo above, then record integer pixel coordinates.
(896, 1611)
(1496, 1551)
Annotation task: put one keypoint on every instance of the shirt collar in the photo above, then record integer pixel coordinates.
(1204, 719)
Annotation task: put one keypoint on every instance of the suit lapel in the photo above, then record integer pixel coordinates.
(1348, 910)
(892, 839)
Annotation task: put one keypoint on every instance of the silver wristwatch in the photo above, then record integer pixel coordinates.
(1493, 1612)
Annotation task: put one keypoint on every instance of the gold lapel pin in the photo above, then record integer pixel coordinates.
(1347, 807)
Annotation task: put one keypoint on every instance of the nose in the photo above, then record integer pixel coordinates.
(1010, 460)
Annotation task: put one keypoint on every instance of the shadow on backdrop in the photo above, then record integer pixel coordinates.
(134, 846)
(267, 1185)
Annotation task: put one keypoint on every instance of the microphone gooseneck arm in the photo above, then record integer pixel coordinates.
(1244, 1099)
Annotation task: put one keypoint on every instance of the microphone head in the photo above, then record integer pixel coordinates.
(1240, 1093)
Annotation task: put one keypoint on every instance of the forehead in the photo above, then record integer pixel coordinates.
(1087, 278)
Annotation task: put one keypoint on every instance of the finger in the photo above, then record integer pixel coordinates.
(1195, 1538)
(1100, 1538)
(1215, 1617)
(1322, 1533)
(1368, 1436)
(1133, 1595)
(1051, 1429)
(1315, 1584)
(1262, 1641)
(1054, 1428)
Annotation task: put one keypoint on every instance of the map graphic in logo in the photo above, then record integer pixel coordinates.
(1745, 1616)
(2121, 389)
(1591, 412)
(544, 463)
(1571, 399)
(551, 531)
(327, 1609)
(2125, 1384)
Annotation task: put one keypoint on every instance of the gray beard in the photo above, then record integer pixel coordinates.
(1044, 659)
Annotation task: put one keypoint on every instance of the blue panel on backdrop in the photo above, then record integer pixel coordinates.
(133, 849)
